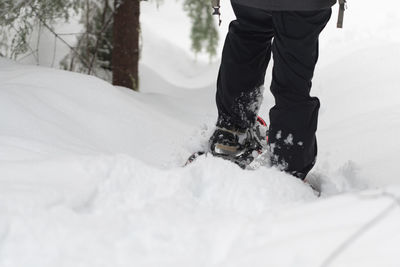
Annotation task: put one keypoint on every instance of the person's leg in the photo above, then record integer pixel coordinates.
(293, 119)
(245, 58)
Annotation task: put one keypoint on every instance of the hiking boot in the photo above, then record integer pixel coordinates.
(240, 146)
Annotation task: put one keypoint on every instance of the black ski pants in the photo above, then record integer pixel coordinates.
(292, 38)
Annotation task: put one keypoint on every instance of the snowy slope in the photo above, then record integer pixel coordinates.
(90, 174)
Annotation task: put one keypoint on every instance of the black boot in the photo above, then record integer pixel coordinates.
(240, 146)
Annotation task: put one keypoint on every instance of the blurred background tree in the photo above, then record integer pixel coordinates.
(109, 46)
(204, 34)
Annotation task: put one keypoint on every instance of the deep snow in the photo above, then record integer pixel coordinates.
(91, 174)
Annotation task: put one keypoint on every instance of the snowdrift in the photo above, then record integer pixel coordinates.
(91, 174)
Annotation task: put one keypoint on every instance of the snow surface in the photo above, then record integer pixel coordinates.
(91, 174)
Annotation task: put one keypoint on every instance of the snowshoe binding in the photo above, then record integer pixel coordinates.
(240, 147)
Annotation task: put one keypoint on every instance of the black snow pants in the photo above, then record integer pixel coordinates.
(292, 38)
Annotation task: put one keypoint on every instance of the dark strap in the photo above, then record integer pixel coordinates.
(216, 6)
(342, 8)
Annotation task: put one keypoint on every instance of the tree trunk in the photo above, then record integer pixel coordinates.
(125, 55)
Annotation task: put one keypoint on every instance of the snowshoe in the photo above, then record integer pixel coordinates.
(240, 147)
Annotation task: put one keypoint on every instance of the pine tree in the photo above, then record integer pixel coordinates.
(110, 42)
(126, 33)
(18, 18)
